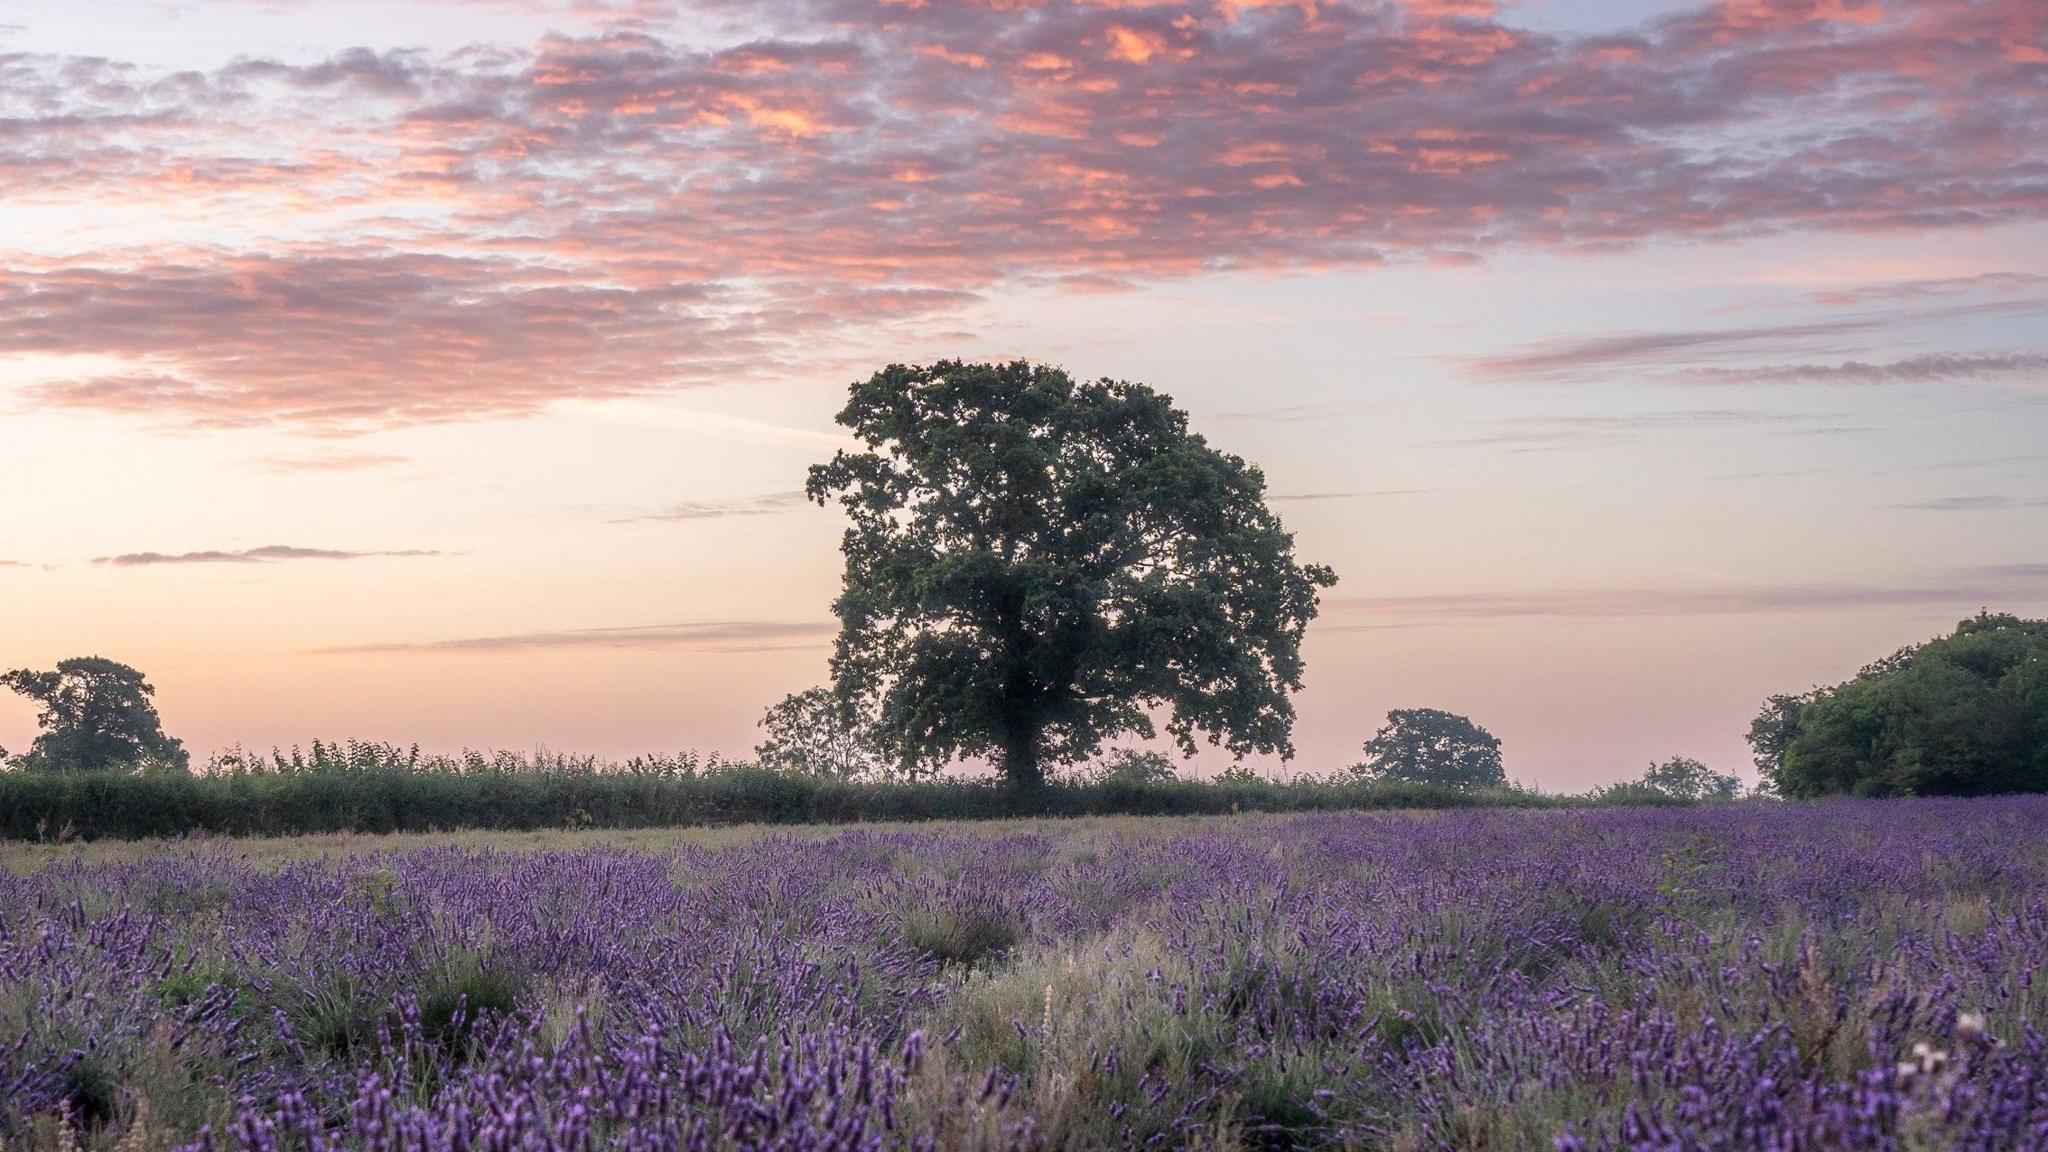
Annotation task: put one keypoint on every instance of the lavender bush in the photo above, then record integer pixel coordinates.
(1843, 976)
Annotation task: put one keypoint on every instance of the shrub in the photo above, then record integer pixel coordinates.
(966, 935)
(1131, 766)
(378, 788)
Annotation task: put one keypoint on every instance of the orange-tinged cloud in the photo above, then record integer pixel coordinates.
(1277, 180)
(951, 56)
(1134, 45)
(794, 121)
(396, 237)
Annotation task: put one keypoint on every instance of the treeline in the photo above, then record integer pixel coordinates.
(373, 788)
(1965, 714)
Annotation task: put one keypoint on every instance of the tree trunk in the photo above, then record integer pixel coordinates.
(1020, 716)
(1019, 761)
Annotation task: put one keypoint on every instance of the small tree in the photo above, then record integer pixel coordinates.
(1428, 746)
(96, 717)
(1133, 766)
(1683, 778)
(815, 733)
(1034, 563)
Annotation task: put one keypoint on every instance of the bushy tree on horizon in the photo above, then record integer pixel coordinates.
(1684, 778)
(1133, 766)
(1430, 746)
(1035, 563)
(1962, 715)
(97, 716)
(815, 733)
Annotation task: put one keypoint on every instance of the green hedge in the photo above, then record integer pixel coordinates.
(106, 806)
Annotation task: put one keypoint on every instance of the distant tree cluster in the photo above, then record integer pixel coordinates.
(1679, 780)
(1684, 778)
(1962, 715)
(1446, 750)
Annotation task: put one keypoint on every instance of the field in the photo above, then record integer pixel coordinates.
(1854, 975)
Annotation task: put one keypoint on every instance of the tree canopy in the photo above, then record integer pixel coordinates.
(1035, 564)
(1428, 746)
(1962, 715)
(97, 715)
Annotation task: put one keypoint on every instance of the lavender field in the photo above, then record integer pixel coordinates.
(1841, 976)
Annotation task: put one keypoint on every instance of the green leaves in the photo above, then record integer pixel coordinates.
(1684, 778)
(1965, 714)
(96, 716)
(816, 733)
(1430, 746)
(1034, 565)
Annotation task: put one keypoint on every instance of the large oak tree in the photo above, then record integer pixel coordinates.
(1036, 564)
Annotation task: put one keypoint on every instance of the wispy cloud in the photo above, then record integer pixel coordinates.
(1283, 414)
(1306, 496)
(1928, 368)
(1572, 358)
(1548, 433)
(2036, 574)
(708, 636)
(1961, 590)
(763, 505)
(267, 554)
(1566, 358)
(1981, 503)
(1993, 282)
(2006, 463)
(328, 462)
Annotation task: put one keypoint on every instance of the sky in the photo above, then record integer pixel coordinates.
(446, 371)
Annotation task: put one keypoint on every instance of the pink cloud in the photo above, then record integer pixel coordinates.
(614, 213)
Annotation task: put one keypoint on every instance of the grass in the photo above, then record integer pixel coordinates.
(1079, 835)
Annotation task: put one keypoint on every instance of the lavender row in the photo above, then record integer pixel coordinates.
(1841, 976)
